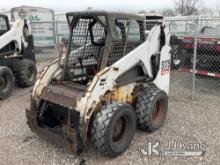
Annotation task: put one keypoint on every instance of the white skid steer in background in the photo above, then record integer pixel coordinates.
(17, 58)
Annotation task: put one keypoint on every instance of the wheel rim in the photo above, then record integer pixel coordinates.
(158, 112)
(3, 82)
(119, 129)
(30, 74)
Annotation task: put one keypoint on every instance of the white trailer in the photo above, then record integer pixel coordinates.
(42, 23)
(62, 27)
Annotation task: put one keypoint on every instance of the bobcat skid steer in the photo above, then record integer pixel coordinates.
(111, 79)
(17, 58)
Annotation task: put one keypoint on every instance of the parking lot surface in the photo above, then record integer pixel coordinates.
(187, 121)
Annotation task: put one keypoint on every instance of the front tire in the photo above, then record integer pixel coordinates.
(113, 128)
(151, 109)
(25, 72)
(6, 82)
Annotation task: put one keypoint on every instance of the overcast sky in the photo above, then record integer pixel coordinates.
(123, 5)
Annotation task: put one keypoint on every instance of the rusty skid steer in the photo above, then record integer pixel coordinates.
(112, 79)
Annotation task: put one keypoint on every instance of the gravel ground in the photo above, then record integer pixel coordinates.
(187, 121)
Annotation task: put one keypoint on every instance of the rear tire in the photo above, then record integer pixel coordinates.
(25, 72)
(151, 109)
(6, 82)
(113, 128)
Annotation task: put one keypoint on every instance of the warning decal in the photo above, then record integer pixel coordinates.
(165, 68)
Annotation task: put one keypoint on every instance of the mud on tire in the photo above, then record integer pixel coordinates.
(113, 128)
(25, 72)
(151, 109)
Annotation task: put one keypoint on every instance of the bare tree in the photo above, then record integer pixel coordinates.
(142, 12)
(187, 7)
(168, 12)
(206, 11)
(153, 11)
(218, 8)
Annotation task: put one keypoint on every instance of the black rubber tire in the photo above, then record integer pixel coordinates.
(7, 76)
(104, 124)
(25, 72)
(145, 109)
(177, 52)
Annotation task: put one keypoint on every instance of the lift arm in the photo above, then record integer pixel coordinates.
(105, 80)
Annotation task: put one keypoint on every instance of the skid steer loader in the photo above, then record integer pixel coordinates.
(17, 58)
(111, 79)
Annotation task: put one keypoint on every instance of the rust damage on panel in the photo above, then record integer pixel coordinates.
(123, 94)
(66, 136)
(60, 96)
(87, 119)
(71, 141)
(42, 72)
(120, 94)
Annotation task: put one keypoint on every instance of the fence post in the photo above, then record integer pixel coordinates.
(194, 57)
(57, 38)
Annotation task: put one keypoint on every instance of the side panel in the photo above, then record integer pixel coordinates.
(162, 79)
(105, 80)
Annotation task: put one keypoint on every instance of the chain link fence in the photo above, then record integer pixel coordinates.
(47, 38)
(195, 43)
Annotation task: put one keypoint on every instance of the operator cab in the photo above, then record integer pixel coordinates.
(97, 40)
(88, 37)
